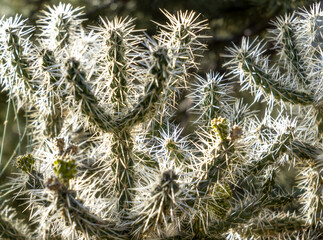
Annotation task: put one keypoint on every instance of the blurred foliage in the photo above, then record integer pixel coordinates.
(12, 138)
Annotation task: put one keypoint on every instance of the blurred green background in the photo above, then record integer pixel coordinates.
(229, 20)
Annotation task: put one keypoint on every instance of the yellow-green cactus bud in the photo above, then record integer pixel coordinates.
(220, 127)
(64, 168)
(25, 163)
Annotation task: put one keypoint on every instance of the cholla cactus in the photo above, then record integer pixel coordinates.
(107, 160)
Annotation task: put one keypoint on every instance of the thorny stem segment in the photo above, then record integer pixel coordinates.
(63, 26)
(312, 180)
(147, 104)
(273, 226)
(122, 153)
(248, 211)
(277, 149)
(119, 83)
(243, 214)
(19, 62)
(83, 95)
(212, 102)
(264, 80)
(290, 51)
(76, 213)
(54, 121)
(123, 146)
(210, 185)
(161, 210)
(267, 159)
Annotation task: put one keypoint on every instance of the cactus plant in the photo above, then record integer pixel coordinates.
(106, 159)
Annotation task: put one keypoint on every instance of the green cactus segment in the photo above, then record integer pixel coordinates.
(161, 210)
(26, 163)
(218, 204)
(63, 26)
(184, 35)
(65, 168)
(247, 211)
(268, 184)
(183, 31)
(212, 102)
(122, 153)
(215, 169)
(83, 94)
(89, 223)
(48, 62)
(168, 183)
(291, 53)
(119, 85)
(147, 104)
(273, 227)
(271, 87)
(311, 180)
(80, 216)
(14, 42)
(280, 147)
(278, 201)
(54, 121)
